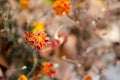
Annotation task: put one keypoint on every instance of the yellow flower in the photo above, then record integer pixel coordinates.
(38, 27)
(22, 77)
(61, 6)
(24, 4)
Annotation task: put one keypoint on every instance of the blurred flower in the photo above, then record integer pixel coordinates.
(61, 6)
(39, 40)
(88, 77)
(22, 77)
(38, 26)
(55, 43)
(47, 69)
(24, 4)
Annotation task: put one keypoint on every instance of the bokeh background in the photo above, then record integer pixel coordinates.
(88, 39)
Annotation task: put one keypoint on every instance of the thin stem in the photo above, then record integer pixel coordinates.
(6, 22)
(34, 63)
(71, 61)
(56, 34)
(71, 21)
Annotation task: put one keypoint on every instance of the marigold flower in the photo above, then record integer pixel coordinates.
(38, 26)
(24, 4)
(22, 77)
(47, 69)
(88, 77)
(61, 6)
(39, 41)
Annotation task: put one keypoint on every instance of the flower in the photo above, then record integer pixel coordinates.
(38, 26)
(24, 4)
(55, 43)
(39, 41)
(88, 77)
(22, 77)
(47, 69)
(61, 6)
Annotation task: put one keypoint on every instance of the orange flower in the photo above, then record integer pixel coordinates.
(88, 77)
(24, 4)
(47, 69)
(39, 40)
(22, 77)
(61, 6)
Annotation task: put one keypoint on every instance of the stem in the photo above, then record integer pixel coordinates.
(71, 21)
(71, 61)
(6, 22)
(56, 34)
(34, 64)
(57, 31)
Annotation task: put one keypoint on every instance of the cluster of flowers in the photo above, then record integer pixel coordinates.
(39, 40)
(59, 6)
(48, 69)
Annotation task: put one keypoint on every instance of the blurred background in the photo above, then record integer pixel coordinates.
(85, 38)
